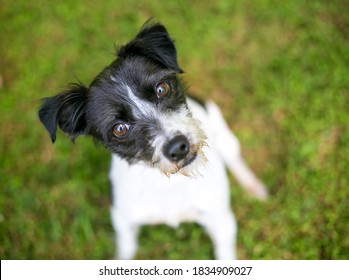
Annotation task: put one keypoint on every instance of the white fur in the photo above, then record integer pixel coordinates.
(177, 123)
(144, 195)
(141, 108)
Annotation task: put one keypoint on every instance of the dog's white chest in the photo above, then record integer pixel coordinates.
(146, 196)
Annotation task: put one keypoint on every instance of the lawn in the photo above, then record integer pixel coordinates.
(278, 69)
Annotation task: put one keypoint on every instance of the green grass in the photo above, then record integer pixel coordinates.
(278, 69)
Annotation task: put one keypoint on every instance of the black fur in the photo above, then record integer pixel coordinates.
(109, 104)
(153, 42)
(68, 110)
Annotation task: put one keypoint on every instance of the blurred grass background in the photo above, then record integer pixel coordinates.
(278, 69)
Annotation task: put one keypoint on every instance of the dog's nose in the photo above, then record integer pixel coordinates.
(177, 148)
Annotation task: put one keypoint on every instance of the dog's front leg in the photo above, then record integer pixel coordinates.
(126, 235)
(222, 228)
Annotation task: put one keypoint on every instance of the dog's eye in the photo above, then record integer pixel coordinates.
(120, 129)
(162, 90)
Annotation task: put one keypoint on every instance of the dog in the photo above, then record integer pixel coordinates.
(169, 151)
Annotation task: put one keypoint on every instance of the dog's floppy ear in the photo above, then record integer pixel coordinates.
(154, 42)
(68, 110)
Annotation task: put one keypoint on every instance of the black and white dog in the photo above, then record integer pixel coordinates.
(169, 152)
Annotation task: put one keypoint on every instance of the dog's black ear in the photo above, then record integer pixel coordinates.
(68, 110)
(154, 42)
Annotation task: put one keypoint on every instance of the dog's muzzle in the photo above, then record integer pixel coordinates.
(178, 149)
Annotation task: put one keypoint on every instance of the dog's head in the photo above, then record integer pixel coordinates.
(136, 107)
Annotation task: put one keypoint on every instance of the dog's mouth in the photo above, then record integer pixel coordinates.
(189, 160)
(193, 164)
